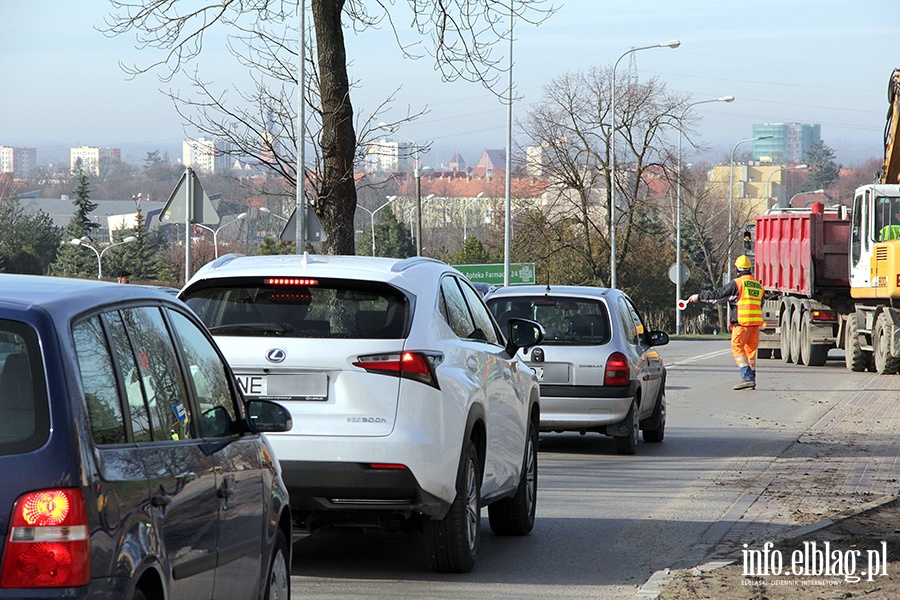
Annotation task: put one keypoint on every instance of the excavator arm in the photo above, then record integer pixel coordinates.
(891, 169)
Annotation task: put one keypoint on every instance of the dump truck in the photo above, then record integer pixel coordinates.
(832, 275)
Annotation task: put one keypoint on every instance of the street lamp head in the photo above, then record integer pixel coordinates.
(670, 44)
(391, 198)
(76, 241)
(429, 196)
(479, 194)
(264, 210)
(725, 99)
(764, 137)
(130, 239)
(385, 127)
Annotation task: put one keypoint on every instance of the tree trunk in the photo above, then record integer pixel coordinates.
(336, 204)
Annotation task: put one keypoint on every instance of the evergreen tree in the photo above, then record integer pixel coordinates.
(473, 252)
(29, 243)
(824, 171)
(73, 260)
(270, 246)
(137, 257)
(392, 238)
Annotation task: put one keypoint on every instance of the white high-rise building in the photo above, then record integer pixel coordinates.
(18, 161)
(206, 156)
(93, 160)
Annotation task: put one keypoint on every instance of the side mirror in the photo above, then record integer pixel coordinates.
(268, 416)
(658, 338)
(522, 333)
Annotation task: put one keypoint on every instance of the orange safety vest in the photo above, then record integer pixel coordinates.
(749, 303)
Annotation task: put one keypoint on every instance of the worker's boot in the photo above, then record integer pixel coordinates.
(746, 385)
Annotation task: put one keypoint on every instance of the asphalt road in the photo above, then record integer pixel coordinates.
(605, 523)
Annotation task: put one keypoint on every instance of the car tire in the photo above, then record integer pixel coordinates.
(278, 578)
(453, 541)
(658, 418)
(515, 515)
(627, 444)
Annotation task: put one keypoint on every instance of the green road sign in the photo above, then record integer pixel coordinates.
(518, 273)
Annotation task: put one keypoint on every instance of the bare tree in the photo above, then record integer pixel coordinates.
(572, 125)
(463, 34)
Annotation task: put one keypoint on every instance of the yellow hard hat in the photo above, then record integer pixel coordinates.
(742, 262)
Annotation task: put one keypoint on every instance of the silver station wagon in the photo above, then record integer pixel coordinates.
(598, 366)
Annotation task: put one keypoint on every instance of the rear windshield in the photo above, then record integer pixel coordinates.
(24, 415)
(300, 308)
(566, 321)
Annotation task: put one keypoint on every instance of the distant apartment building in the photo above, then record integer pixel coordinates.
(21, 162)
(93, 160)
(386, 156)
(206, 156)
(789, 142)
(535, 159)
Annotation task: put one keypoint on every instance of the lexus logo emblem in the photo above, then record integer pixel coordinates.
(276, 355)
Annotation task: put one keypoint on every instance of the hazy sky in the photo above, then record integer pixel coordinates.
(814, 61)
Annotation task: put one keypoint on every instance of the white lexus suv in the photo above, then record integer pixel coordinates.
(409, 405)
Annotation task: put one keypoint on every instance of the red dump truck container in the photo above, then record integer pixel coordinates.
(802, 260)
(803, 253)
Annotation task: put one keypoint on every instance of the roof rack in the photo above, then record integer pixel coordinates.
(412, 261)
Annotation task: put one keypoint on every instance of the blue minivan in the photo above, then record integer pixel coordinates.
(132, 466)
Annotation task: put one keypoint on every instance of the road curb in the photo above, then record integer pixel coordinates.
(657, 582)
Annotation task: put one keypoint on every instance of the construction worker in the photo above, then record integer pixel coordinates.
(745, 294)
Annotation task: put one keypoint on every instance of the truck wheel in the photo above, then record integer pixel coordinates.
(795, 337)
(785, 337)
(814, 355)
(855, 357)
(885, 364)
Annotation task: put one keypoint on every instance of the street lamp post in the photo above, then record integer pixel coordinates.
(372, 215)
(612, 159)
(418, 178)
(409, 213)
(466, 215)
(267, 211)
(85, 242)
(731, 199)
(215, 231)
(769, 182)
(678, 208)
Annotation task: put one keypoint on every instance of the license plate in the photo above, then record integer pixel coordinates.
(539, 372)
(305, 386)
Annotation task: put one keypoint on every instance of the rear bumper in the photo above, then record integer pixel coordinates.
(574, 408)
(356, 491)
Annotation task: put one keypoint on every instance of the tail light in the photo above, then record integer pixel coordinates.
(48, 543)
(418, 366)
(824, 315)
(618, 372)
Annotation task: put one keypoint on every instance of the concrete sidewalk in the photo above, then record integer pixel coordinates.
(847, 462)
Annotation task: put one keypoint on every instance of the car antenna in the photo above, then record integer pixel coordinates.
(547, 291)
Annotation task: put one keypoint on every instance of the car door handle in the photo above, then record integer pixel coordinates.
(161, 499)
(472, 364)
